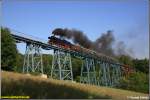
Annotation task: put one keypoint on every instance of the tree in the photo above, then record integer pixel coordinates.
(8, 50)
(137, 81)
(76, 68)
(141, 65)
(125, 60)
(47, 64)
(19, 65)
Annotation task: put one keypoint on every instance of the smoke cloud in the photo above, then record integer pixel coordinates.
(103, 44)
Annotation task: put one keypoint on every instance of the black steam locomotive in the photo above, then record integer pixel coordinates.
(60, 42)
(63, 43)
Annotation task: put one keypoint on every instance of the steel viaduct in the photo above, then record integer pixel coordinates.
(102, 70)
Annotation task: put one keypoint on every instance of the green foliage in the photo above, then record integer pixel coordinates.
(141, 65)
(9, 55)
(47, 63)
(19, 65)
(125, 60)
(77, 78)
(76, 68)
(137, 81)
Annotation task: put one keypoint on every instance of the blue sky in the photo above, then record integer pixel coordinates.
(127, 18)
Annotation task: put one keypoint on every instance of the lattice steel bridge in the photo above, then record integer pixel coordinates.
(102, 70)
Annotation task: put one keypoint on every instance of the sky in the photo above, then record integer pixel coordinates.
(38, 18)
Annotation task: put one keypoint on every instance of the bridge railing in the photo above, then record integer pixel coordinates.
(14, 32)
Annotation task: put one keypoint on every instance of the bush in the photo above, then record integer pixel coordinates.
(137, 81)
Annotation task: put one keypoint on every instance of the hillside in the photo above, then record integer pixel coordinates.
(36, 87)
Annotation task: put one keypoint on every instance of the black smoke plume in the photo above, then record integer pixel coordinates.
(77, 36)
(103, 44)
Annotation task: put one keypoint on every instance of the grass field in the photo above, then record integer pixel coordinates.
(36, 87)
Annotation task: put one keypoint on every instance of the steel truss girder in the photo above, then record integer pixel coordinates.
(88, 74)
(61, 66)
(116, 75)
(33, 59)
(109, 74)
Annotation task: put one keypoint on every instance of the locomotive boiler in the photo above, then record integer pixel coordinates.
(63, 43)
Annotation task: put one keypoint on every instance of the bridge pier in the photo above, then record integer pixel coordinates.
(88, 74)
(61, 66)
(101, 78)
(113, 75)
(108, 74)
(105, 74)
(33, 59)
(118, 74)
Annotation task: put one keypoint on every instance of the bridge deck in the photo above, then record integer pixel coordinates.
(47, 46)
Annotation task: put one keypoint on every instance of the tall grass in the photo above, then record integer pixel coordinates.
(23, 85)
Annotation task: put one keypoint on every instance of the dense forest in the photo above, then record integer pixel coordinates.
(12, 60)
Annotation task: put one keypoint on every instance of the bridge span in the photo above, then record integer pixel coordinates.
(96, 70)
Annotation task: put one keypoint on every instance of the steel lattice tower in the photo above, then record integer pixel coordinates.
(109, 74)
(88, 74)
(33, 59)
(101, 74)
(61, 66)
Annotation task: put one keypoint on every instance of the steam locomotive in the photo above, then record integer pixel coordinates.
(63, 43)
(60, 42)
(57, 39)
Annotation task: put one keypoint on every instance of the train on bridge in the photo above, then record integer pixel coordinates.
(97, 68)
(58, 40)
